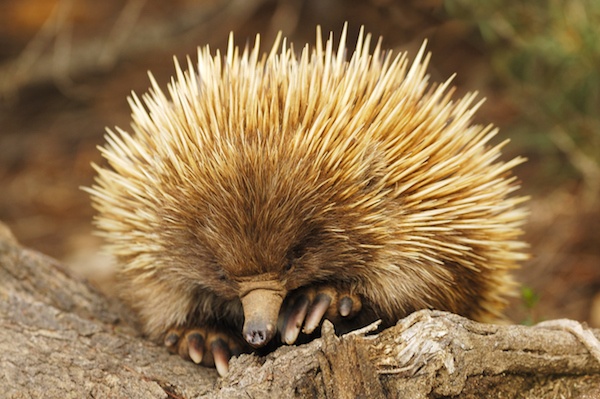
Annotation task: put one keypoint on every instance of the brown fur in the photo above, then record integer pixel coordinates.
(308, 170)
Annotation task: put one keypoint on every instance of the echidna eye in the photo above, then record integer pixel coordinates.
(288, 266)
(293, 256)
(221, 275)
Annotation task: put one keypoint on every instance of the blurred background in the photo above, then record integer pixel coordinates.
(66, 68)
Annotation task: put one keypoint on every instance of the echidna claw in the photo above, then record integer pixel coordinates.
(205, 346)
(305, 309)
(345, 307)
(317, 311)
(221, 355)
(295, 318)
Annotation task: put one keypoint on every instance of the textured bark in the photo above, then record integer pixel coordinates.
(59, 338)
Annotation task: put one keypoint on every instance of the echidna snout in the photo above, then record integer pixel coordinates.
(261, 302)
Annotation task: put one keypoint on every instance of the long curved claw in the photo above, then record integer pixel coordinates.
(206, 346)
(304, 310)
(171, 340)
(221, 356)
(195, 347)
(294, 320)
(345, 306)
(317, 312)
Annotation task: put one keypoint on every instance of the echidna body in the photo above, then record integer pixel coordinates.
(264, 179)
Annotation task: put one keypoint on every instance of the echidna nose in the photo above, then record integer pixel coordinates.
(261, 302)
(258, 335)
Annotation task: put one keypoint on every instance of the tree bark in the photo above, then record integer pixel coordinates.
(59, 338)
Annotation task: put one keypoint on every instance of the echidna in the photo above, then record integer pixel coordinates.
(267, 192)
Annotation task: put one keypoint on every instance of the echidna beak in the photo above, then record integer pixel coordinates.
(261, 309)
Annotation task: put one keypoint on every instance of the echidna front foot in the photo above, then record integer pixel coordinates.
(305, 309)
(205, 346)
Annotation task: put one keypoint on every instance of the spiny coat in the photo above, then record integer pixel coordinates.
(314, 168)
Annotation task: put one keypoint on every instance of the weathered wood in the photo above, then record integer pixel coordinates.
(347, 370)
(59, 338)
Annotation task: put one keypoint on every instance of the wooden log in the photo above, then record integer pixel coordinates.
(60, 338)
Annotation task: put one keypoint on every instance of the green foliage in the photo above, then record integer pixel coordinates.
(546, 53)
(529, 296)
(529, 300)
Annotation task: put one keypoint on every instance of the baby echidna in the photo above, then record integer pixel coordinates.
(268, 192)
